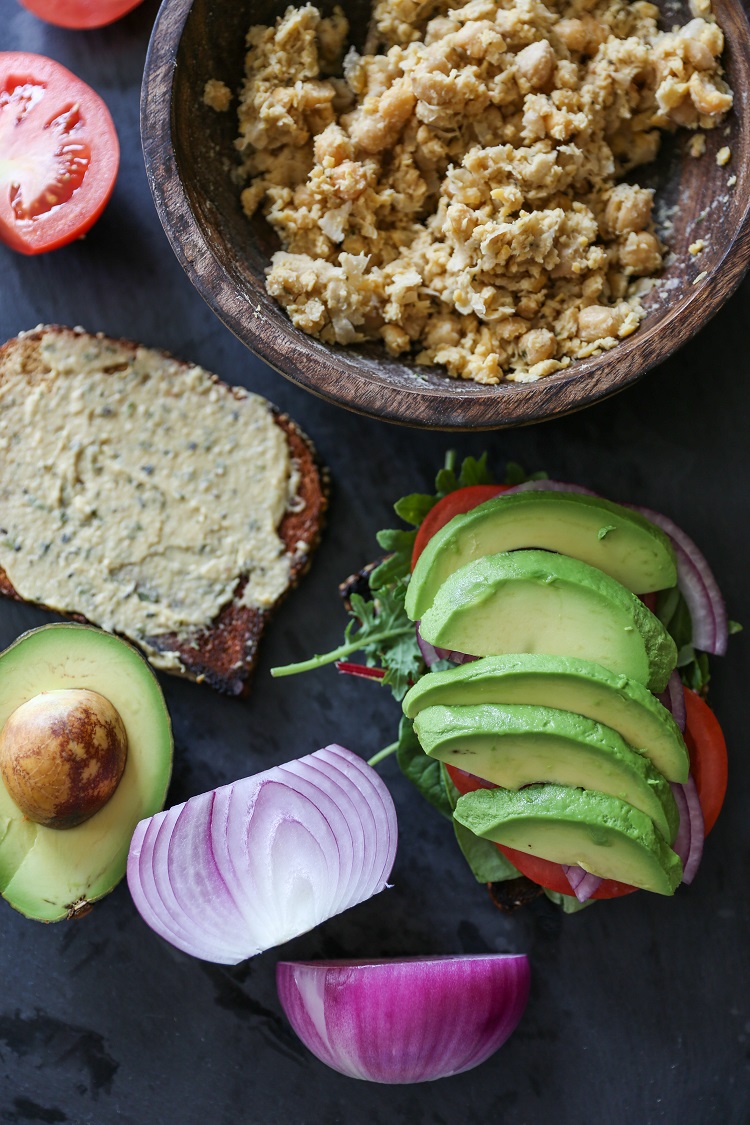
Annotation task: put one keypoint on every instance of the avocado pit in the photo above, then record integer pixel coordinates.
(62, 754)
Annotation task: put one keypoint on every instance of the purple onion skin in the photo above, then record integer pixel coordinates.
(582, 883)
(405, 1021)
(673, 698)
(690, 836)
(431, 655)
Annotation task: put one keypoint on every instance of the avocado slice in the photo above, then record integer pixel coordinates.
(515, 745)
(614, 539)
(536, 601)
(48, 873)
(569, 684)
(599, 833)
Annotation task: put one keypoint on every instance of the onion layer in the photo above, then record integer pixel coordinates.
(689, 842)
(673, 698)
(431, 655)
(698, 587)
(411, 1020)
(582, 883)
(232, 872)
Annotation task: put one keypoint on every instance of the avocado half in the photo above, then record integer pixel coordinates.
(47, 873)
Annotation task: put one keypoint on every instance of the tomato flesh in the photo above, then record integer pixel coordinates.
(708, 764)
(59, 154)
(80, 14)
(454, 504)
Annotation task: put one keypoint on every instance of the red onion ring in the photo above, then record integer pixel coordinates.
(233, 872)
(690, 836)
(549, 486)
(406, 1020)
(673, 698)
(698, 587)
(582, 883)
(431, 655)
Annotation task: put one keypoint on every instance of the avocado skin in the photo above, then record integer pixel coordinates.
(631, 549)
(474, 587)
(567, 683)
(580, 827)
(49, 874)
(482, 739)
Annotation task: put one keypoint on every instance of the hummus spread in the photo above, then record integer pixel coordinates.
(137, 491)
(460, 194)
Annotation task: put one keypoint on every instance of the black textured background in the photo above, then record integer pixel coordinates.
(640, 1008)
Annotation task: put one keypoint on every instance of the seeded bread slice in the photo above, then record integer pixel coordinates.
(224, 653)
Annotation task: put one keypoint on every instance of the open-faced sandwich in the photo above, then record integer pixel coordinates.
(551, 650)
(143, 495)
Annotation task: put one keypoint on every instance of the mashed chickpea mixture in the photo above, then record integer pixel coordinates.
(457, 195)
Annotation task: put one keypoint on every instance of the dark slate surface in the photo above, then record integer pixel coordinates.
(640, 1009)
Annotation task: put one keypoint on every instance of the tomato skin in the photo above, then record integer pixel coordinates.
(47, 114)
(454, 504)
(708, 764)
(80, 14)
(705, 741)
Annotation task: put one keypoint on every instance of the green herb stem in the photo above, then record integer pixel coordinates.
(343, 650)
(384, 753)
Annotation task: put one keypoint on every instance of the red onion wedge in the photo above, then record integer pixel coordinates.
(235, 871)
(698, 587)
(673, 698)
(582, 883)
(406, 1020)
(689, 842)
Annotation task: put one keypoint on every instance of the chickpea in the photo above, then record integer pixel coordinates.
(536, 64)
(628, 209)
(641, 253)
(396, 340)
(537, 345)
(333, 145)
(598, 322)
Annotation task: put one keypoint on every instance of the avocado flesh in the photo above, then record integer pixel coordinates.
(539, 602)
(568, 684)
(599, 833)
(47, 873)
(516, 745)
(614, 539)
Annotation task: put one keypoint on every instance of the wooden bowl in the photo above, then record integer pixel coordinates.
(190, 157)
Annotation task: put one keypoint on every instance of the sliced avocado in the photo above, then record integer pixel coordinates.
(601, 834)
(516, 744)
(536, 601)
(614, 539)
(569, 684)
(49, 873)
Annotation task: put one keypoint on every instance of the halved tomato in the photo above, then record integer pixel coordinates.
(59, 154)
(454, 504)
(708, 764)
(80, 14)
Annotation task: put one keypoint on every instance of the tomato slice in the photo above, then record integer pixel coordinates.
(708, 764)
(454, 504)
(707, 746)
(59, 154)
(80, 14)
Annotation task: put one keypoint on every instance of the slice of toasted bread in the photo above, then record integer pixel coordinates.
(224, 652)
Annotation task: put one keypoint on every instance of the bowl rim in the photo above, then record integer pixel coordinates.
(308, 363)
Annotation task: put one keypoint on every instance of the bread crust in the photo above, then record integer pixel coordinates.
(223, 654)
